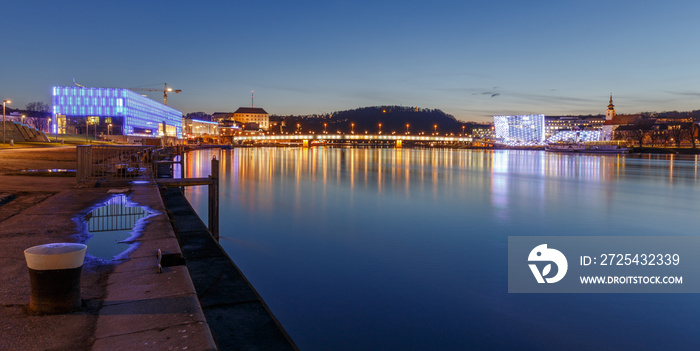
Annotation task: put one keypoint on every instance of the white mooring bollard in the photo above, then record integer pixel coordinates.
(54, 274)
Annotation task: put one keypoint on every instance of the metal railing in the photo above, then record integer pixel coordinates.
(116, 215)
(115, 163)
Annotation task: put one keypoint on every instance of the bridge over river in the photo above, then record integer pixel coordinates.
(393, 139)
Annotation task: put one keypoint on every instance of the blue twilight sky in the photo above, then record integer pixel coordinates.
(472, 59)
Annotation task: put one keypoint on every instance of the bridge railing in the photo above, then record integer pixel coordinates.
(354, 137)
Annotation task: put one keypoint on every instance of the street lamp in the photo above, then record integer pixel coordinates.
(407, 128)
(463, 131)
(4, 102)
(435, 126)
(109, 129)
(380, 128)
(324, 128)
(353, 127)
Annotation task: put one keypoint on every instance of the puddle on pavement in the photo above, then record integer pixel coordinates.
(54, 172)
(113, 225)
(50, 170)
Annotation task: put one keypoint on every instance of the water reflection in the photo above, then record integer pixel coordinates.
(112, 224)
(355, 165)
(407, 247)
(391, 170)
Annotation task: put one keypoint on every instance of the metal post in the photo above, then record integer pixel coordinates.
(182, 162)
(4, 102)
(214, 199)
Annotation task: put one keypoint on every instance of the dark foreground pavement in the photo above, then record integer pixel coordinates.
(127, 305)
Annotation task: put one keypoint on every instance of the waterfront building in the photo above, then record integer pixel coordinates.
(614, 121)
(519, 130)
(194, 128)
(256, 115)
(482, 133)
(220, 117)
(227, 130)
(574, 136)
(555, 124)
(112, 111)
(246, 117)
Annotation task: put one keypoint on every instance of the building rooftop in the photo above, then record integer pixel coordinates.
(622, 119)
(255, 110)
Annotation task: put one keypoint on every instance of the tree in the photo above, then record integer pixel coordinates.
(639, 130)
(694, 129)
(677, 132)
(638, 135)
(38, 106)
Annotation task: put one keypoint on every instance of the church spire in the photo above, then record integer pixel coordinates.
(610, 113)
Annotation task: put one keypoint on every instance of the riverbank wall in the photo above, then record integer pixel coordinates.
(236, 314)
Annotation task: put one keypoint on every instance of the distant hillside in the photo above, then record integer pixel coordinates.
(695, 115)
(393, 119)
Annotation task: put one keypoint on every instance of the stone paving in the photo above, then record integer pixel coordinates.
(127, 305)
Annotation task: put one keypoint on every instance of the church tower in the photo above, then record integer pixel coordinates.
(610, 113)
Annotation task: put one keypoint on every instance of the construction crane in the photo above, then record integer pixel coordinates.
(165, 91)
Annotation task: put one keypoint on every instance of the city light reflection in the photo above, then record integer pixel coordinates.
(331, 224)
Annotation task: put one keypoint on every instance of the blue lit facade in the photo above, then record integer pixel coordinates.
(522, 129)
(127, 112)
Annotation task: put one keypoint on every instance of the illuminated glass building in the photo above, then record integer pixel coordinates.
(112, 111)
(574, 136)
(554, 124)
(523, 129)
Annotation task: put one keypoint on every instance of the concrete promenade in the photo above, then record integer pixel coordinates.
(126, 305)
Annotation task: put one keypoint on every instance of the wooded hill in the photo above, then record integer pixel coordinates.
(393, 119)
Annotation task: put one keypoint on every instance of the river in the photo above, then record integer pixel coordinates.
(407, 249)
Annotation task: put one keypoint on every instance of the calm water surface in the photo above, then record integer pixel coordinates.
(377, 249)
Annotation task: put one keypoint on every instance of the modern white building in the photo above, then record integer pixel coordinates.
(556, 124)
(520, 130)
(575, 136)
